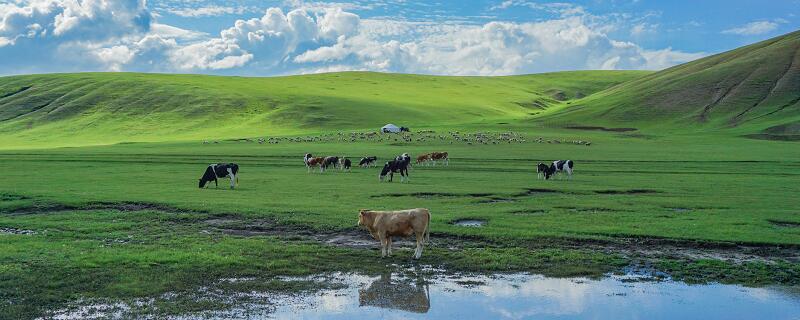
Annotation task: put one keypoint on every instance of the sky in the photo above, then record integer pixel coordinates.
(270, 38)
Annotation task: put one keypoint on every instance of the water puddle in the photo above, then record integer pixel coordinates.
(470, 223)
(408, 295)
(521, 296)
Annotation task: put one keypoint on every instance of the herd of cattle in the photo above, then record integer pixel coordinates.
(383, 225)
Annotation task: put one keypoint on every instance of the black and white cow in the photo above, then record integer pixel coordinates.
(399, 164)
(344, 164)
(560, 166)
(540, 170)
(220, 170)
(329, 161)
(367, 161)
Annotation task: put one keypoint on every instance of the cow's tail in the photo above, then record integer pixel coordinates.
(427, 228)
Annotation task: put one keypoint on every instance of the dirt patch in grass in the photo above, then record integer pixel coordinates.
(601, 128)
(784, 223)
(774, 137)
(630, 191)
(119, 206)
(433, 195)
(531, 212)
(12, 197)
(496, 200)
(589, 209)
(534, 191)
(4, 230)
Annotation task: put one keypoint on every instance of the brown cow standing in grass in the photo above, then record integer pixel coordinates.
(383, 225)
(312, 162)
(443, 156)
(423, 158)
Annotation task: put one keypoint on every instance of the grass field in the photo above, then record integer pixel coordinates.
(127, 221)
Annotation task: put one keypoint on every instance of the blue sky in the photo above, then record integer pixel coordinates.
(264, 38)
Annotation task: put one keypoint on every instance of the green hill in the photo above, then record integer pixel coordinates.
(103, 108)
(751, 89)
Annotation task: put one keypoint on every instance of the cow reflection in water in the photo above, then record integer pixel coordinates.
(406, 295)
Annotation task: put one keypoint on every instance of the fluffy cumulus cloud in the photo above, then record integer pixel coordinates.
(120, 35)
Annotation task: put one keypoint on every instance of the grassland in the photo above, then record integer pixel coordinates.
(127, 221)
(752, 89)
(103, 108)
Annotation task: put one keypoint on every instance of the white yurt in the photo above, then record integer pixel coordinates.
(390, 128)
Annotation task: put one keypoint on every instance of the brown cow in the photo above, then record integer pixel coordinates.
(383, 225)
(312, 162)
(423, 158)
(440, 156)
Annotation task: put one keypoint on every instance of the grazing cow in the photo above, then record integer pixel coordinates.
(312, 162)
(329, 161)
(560, 166)
(423, 158)
(399, 164)
(344, 164)
(383, 225)
(540, 170)
(367, 161)
(405, 294)
(443, 156)
(220, 170)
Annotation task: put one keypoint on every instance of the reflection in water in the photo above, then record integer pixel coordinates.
(400, 295)
(521, 296)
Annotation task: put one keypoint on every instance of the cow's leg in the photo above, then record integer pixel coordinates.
(389, 246)
(232, 176)
(383, 240)
(420, 239)
(216, 183)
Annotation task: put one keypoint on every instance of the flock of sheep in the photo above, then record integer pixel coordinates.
(451, 137)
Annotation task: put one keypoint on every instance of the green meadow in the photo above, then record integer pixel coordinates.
(99, 200)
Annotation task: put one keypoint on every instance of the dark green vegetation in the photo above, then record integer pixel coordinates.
(678, 191)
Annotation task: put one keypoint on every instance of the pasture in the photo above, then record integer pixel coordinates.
(127, 221)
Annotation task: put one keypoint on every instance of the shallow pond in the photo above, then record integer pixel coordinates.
(525, 297)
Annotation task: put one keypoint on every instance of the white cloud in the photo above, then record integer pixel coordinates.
(208, 11)
(753, 28)
(641, 29)
(312, 38)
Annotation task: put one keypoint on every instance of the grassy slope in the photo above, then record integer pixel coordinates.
(103, 108)
(745, 90)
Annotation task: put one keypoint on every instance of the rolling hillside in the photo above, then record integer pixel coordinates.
(103, 108)
(751, 89)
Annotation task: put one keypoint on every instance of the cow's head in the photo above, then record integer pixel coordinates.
(202, 183)
(361, 214)
(549, 172)
(384, 172)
